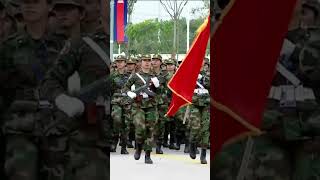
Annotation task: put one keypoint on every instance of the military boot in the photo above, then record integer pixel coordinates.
(192, 153)
(177, 143)
(124, 150)
(203, 156)
(165, 142)
(172, 146)
(129, 144)
(187, 147)
(137, 154)
(147, 159)
(158, 149)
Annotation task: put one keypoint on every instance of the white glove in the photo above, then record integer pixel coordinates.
(199, 76)
(196, 91)
(155, 82)
(131, 94)
(204, 91)
(133, 87)
(70, 105)
(144, 95)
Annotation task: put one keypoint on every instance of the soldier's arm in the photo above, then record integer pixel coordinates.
(55, 81)
(128, 84)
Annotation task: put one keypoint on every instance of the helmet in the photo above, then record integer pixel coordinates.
(120, 58)
(157, 56)
(132, 60)
(146, 57)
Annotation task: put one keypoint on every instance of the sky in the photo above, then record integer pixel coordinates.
(151, 9)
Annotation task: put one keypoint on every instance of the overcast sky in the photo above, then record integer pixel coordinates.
(151, 9)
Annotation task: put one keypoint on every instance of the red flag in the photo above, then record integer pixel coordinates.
(183, 83)
(245, 49)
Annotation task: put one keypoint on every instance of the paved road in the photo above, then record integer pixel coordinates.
(172, 165)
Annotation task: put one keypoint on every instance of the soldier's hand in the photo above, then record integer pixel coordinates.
(131, 94)
(70, 105)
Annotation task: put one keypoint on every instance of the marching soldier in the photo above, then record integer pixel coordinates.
(25, 58)
(85, 124)
(119, 101)
(162, 107)
(142, 87)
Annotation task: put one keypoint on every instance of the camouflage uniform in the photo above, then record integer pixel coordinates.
(290, 147)
(162, 107)
(144, 113)
(119, 102)
(199, 119)
(127, 111)
(81, 142)
(24, 62)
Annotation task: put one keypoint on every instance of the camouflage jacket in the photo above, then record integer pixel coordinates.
(117, 82)
(78, 56)
(136, 82)
(24, 62)
(162, 95)
(204, 99)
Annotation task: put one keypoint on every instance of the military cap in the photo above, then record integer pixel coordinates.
(146, 57)
(131, 60)
(121, 58)
(170, 61)
(312, 4)
(157, 56)
(77, 3)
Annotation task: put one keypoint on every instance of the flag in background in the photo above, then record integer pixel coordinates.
(120, 20)
(245, 48)
(183, 83)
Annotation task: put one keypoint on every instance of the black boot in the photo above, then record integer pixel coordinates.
(158, 149)
(187, 147)
(147, 159)
(137, 154)
(203, 156)
(177, 144)
(172, 146)
(192, 153)
(129, 144)
(124, 150)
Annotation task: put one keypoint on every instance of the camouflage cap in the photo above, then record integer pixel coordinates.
(157, 56)
(132, 60)
(312, 4)
(146, 57)
(78, 3)
(170, 61)
(121, 58)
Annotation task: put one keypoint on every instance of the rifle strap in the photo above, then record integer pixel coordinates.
(97, 49)
(200, 85)
(288, 75)
(144, 81)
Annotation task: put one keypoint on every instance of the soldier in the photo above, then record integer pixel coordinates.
(142, 87)
(289, 149)
(199, 119)
(131, 66)
(91, 22)
(138, 64)
(169, 127)
(162, 107)
(119, 78)
(25, 58)
(7, 22)
(85, 129)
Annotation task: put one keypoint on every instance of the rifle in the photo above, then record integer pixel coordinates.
(87, 95)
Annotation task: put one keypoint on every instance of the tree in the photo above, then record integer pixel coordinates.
(174, 9)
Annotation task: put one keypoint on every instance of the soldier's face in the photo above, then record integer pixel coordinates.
(34, 10)
(308, 17)
(171, 67)
(92, 8)
(146, 64)
(131, 67)
(120, 64)
(156, 63)
(68, 15)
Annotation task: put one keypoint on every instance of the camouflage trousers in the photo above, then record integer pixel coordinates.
(145, 120)
(129, 126)
(120, 127)
(269, 159)
(199, 124)
(160, 124)
(22, 146)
